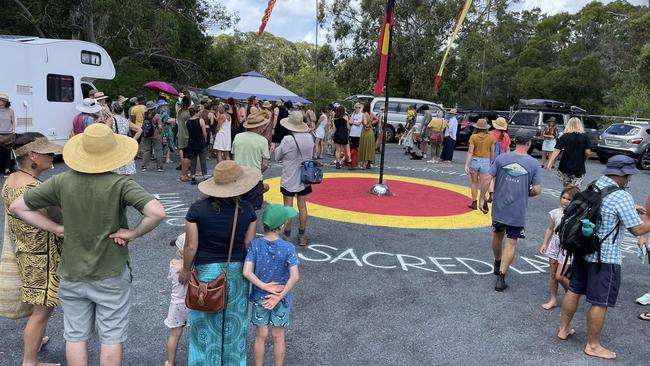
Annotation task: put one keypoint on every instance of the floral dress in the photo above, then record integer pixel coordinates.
(37, 252)
(167, 132)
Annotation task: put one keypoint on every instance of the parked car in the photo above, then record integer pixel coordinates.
(397, 108)
(467, 119)
(531, 116)
(629, 138)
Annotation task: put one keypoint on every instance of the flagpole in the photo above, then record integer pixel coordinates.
(381, 189)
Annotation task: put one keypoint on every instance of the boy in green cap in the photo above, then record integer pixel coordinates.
(272, 267)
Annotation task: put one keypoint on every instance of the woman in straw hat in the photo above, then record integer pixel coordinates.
(292, 152)
(477, 165)
(501, 144)
(208, 228)
(37, 251)
(7, 133)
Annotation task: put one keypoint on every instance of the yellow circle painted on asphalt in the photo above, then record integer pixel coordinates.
(468, 220)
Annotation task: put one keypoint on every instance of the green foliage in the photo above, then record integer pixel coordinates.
(129, 78)
(318, 87)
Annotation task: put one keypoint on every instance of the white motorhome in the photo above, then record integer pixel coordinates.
(46, 78)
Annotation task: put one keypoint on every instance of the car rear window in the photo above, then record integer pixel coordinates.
(622, 130)
(524, 119)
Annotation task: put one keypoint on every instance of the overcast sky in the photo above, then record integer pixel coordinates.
(295, 19)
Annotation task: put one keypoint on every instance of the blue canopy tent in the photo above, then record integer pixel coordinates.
(253, 83)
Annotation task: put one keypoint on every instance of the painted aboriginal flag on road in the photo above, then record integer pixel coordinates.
(452, 38)
(384, 41)
(265, 18)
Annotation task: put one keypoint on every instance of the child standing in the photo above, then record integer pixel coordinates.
(551, 247)
(272, 267)
(177, 314)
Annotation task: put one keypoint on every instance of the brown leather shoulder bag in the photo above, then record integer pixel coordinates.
(211, 297)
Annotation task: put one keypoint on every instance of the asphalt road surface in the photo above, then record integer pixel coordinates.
(371, 294)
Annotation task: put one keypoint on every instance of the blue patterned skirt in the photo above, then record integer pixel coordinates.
(205, 328)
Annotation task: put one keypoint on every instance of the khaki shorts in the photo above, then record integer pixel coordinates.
(102, 305)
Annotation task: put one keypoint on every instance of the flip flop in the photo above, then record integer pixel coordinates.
(571, 332)
(644, 317)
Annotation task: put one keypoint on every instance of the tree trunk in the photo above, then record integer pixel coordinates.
(30, 17)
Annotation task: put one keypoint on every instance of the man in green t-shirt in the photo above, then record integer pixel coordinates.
(251, 149)
(95, 275)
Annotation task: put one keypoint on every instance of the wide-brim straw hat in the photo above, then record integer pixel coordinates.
(230, 180)
(256, 119)
(89, 105)
(100, 96)
(98, 150)
(121, 99)
(500, 124)
(40, 145)
(4, 97)
(294, 123)
(267, 104)
(482, 124)
(551, 120)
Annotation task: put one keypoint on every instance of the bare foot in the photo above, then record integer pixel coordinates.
(564, 335)
(550, 305)
(600, 352)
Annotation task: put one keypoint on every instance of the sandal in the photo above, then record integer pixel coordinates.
(184, 179)
(645, 317)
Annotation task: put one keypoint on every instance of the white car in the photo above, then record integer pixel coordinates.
(397, 108)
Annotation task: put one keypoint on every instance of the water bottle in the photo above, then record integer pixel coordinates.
(587, 227)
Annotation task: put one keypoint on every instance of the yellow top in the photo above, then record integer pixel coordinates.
(483, 143)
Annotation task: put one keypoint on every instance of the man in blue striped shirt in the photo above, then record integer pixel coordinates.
(600, 282)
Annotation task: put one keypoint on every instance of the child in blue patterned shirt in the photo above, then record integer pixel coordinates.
(272, 267)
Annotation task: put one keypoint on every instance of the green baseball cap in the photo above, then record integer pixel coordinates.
(276, 215)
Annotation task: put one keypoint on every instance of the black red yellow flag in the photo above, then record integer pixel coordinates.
(383, 45)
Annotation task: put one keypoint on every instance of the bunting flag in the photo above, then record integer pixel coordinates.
(383, 46)
(454, 33)
(265, 18)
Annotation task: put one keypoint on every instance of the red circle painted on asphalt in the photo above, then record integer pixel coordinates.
(411, 199)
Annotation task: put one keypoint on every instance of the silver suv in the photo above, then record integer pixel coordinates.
(629, 138)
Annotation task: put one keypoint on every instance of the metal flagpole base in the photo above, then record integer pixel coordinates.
(380, 190)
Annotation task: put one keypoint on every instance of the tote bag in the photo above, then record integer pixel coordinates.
(11, 305)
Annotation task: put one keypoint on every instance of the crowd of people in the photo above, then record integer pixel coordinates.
(90, 276)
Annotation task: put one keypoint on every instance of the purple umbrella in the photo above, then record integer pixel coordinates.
(161, 86)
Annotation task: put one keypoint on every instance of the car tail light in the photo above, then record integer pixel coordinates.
(635, 141)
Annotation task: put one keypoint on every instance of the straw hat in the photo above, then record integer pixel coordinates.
(230, 180)
(482, 124)
(294, 123)
(40, 145)
(89, 105)
(453, 111)
(98, 150)
(256, 119)
(151, 105)
(4, 97)
(500, 124)
(99, 96)
(267, 104)
(551, 120)
(121, 99)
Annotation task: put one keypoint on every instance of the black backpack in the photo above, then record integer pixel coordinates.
(585, 205)
(147, 126)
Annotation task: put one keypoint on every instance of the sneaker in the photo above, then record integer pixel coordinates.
(159, 169)
(302, 240)
(497, 266)
(144, 168)
(643, 300)
(500, 284)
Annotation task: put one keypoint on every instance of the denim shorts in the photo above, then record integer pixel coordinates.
(480, 165)
(598, 281)
(278, 317)
(101, 305)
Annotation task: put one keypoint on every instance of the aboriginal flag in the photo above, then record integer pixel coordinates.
(265, 18)
(384, 41)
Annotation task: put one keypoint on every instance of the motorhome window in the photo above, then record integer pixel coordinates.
(60, 88)
(91, 58)
(524, 119)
